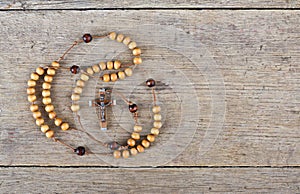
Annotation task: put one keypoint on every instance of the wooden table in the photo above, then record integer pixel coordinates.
(229, 75)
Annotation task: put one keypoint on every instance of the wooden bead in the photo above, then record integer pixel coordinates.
(157, 117)
(157, 124)
(117, 154)
(48, 78)
(117, 64)
(128, 72)
(40, 70)
(120, 37)
(131, 142)
(84, 77)
(46, 86)
(96, 68)
(112, 35)
(102, 66)
(34, 107)
(151, 138)
(87, 38)
(39, 121)
(121, 75)
(154, 131)
(30, 90)
(64, 126)
(55, 64)
(36, 114)
(34, 76)
(125, 154)
(132, 45)
(44, 128)
(137, 128)
(146, 143)
(135, 135)
(49, 134)
(49, 108)
(77, 90)
(31, 83)
(140, 148)
(52, 115)
(46, 93)
(106, 78)
(133, 151)
(58, 121)
(80, 83)
(31, 98)
(136, 51)
(110, 65)
(90, 71)
(75, 97)
(75, 107)
(137, 60)
(156, 109)
(47, 100)
(113, 77)
(51, 71)
(126, 40)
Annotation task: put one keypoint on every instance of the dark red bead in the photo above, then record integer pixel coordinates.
(133, 108)
(75, 69)
(80, 151)
(150, 82)
(87, 38)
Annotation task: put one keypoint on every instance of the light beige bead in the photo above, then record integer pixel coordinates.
(47, 100)
(137, 128)
(128, 72)
(102, 66)
(64, 126)
(96, 68)
(80, 83)
(121, 75)
(135, 136)
(36, 114)
(58, 121)
(120, 37)
(31, 83)
(157, 117)
(40, 70)
(113, 77)
(145, 143)
(44, 128)
(49, 108)
(46, 86)
(106, 78)
(52, 115)
(131, 142)
(49, 133)
(136, 51)
(55, 64)
(137, 60)
(39, 121)
(132, 45)
(84, 77)
(112, 35)
(48, 78)
(34, 76)
(133, 151)
(78, 90)
(30, 90)
(31, 98)
(157, 124)
(90, 71)
(126, 40)
(140, 148)
(125, 154)
(117, 64)
(75, 97)
(34, 107)
(117, 154)
(51, 71)
(46, 93)
(156, 109)
(151, 138)
(110, 65)
(155, 131)
(75, 107)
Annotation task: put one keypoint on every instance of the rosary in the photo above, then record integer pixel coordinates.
(112, 71)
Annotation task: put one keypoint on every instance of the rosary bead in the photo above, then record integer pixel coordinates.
(34, 76)
(125, 154)
(51, 71)
(44, 128)
(128, 72)
(140, 148)
(52, 115)
(31, 98)
(135, 136)
(31, 83)
(46, 93)
(64, 126)
(110, 65)
(34, 107)
(48, 78)
(121, 75)
(132, 45)
(136, 51)
(146, 143)
(102, 66)
(49, 133)
(75, 97)
(55, 64)
(113, 77)
(49, 108)
(131, 142)
(137, 128)
(157, 124)
(112, 35)
(87, 38)
(157, 117)
(46, 86)
(75, 107)
(133, 151)
(151, 138)
(106, 78)
(126, 40)
(75, 69)
(90, 71)
(78, 90)
(47, 100)
(137, 60)
(113, 145)
(117, 154)
(58, 121)
(40, 70)
(39, 121)
(80, 151)
(154, 131)
(133, 108)
(117, 64)
(30, 91)
(84, 77)
(96, 68)
(80, 83)
(120, 37)
(150, 82)
(156, 109)
(36, 114)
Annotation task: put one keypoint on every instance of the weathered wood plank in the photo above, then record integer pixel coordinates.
(252, 56)
(79, 180)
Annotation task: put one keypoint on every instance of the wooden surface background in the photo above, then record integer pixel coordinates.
(233, 55)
